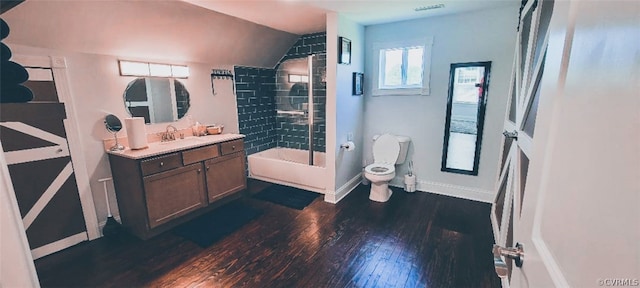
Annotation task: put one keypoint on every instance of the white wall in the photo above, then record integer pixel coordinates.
(345, 113)
(486, 35)
(161, 31)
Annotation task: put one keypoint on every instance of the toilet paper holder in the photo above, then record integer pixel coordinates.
(348, 146)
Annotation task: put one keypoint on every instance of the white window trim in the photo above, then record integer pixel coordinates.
(426, 62)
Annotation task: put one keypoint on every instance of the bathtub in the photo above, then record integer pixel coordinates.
(288, 167)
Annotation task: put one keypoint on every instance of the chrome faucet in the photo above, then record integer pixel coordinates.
(169, 135)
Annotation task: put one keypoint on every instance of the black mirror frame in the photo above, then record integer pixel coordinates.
(183, 101)
(482, 105)
(112, 123)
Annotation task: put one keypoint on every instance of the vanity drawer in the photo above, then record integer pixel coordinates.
(231, 147)
(160, 163)
(200, 154)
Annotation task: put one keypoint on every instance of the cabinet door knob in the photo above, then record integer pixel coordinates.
(207, 168)
(199, 170)
(161, 164)
(233, 147)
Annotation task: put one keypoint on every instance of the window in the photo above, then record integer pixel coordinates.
(402, 68)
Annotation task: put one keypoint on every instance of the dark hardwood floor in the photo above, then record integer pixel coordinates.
(414, 240)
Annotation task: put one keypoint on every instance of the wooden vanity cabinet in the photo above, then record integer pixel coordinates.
(223, 177)
(158, 193)
(174, 193)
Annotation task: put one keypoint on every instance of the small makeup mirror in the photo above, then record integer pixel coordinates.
(114, 125)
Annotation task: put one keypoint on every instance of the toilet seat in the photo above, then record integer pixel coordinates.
(379, 169)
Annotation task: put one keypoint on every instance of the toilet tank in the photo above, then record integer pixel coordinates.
(404, 148)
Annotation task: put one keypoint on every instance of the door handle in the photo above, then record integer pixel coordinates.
(513, 134)
(515, 253)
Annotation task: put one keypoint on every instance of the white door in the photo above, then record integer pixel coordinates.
(49, 177)
(570, 187)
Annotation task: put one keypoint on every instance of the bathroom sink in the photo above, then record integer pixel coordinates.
(191, 140)
(185, 141)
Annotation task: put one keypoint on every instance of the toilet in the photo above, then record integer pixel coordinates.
(388, 151)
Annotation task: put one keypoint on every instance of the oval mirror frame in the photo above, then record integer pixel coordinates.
(156, 99)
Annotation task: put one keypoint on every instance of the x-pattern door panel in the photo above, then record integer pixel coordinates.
(565, 212)
(519, 124)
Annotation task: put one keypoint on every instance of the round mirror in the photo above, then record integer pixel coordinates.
(112, 123)
(157, 100)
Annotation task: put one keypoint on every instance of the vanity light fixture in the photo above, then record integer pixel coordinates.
(131, 68)
(134, 68)
(159, 70)
(179, 71)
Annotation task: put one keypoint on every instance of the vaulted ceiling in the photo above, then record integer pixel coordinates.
(308, 16)
(173, 30)
(207, 31)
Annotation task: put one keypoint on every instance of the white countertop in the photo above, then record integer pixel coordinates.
(158, 148)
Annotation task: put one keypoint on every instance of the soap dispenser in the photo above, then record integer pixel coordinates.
(193, 124)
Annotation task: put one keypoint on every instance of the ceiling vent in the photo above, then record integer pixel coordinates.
(430, 7)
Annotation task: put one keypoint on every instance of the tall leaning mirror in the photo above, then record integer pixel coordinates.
(466, 104)
(158, 100)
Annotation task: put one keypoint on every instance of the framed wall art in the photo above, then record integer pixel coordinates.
(358, 79)
(344, 50)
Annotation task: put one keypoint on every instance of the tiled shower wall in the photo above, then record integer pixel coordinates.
(293, 131)
(315, 43)
(256, 100)
(255, 95)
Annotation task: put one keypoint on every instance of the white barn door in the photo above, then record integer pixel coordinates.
(49, 177)
(573, 196)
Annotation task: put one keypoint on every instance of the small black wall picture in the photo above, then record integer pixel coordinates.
(358, 79)
(344, 50)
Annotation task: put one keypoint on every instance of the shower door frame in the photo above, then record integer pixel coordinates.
(310, 111)
(310, 108)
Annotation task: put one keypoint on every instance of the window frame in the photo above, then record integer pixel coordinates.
(378, 47)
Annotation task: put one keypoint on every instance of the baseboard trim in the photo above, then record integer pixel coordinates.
(457, 191)
(344, 190)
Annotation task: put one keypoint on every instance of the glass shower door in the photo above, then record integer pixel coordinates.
(300, 102)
